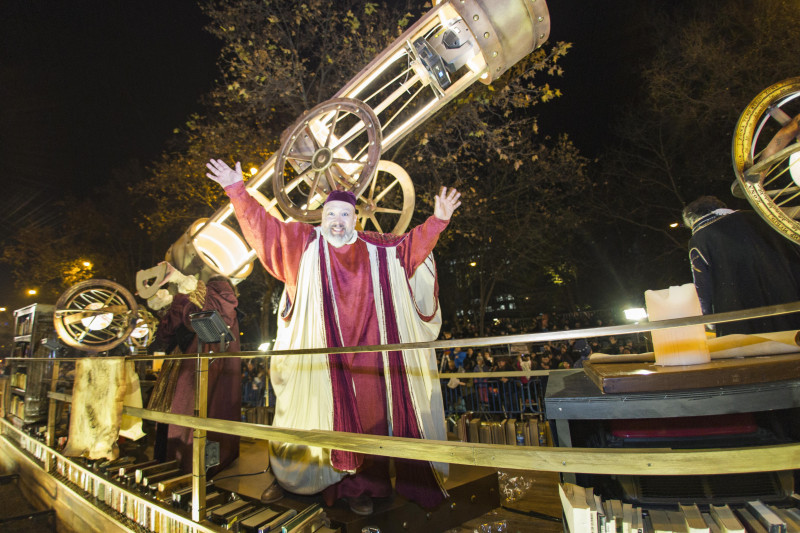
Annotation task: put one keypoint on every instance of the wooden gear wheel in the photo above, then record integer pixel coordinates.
(388, 204)
(766, 156)
(335, 146)
(95, 315)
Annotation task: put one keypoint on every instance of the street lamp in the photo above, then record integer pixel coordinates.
(32, 292)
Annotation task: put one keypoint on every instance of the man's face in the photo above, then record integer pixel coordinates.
(338, 223)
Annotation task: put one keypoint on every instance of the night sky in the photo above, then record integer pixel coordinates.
(86, 86)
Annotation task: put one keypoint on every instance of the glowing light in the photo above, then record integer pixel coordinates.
(32, 292)
(674, 225)
(264, 346)
(375, 73)
(473, 263)
(97, 322)
(255, 184)
(794, 171)
(253, 171)
(2, 309)
(418, 116)
(141, 329)
(87, 264)
(635, 314)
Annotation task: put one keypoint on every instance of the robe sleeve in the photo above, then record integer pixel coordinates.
(168, 326)
(701, 274)
(419, 243)
(279, 245)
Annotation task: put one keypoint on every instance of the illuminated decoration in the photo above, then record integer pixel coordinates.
(794, 168)
(96, 322)
(84, 307)
(337, 144)
(210, 248)
(144, 332)
(140, 330)
(766, 152)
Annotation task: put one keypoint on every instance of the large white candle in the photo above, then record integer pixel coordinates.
(685, 345)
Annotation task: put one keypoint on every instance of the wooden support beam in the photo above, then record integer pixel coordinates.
(629, 461)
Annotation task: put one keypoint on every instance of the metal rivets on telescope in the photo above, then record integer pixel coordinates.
(494, 54)
(475, 17)
(486, 35)
(541, 19)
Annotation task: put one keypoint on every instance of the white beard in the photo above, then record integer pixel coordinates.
(337, 241)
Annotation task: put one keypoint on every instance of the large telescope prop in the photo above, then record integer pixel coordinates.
(338, 145)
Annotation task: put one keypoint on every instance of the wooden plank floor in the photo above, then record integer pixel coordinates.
(534, 508)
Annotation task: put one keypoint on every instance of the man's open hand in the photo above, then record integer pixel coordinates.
(445, 203)
(223, 174)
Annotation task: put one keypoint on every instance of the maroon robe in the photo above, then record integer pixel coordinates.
(224, 375)
(280, 247)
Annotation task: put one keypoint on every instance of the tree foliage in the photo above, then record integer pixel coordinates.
(675, 142)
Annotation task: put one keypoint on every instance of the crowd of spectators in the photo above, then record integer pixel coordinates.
(513, 395)
(254, 382)
(549, 355)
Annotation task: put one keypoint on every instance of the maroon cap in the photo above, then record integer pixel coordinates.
(342, 196)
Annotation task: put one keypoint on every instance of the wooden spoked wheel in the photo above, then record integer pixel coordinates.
(95, 315)
(335, 146)
(766, 156)
(388, 203)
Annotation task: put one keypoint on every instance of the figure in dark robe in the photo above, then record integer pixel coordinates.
(739, 262)
(175, 335)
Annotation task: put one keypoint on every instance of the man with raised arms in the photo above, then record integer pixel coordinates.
(349, 288)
